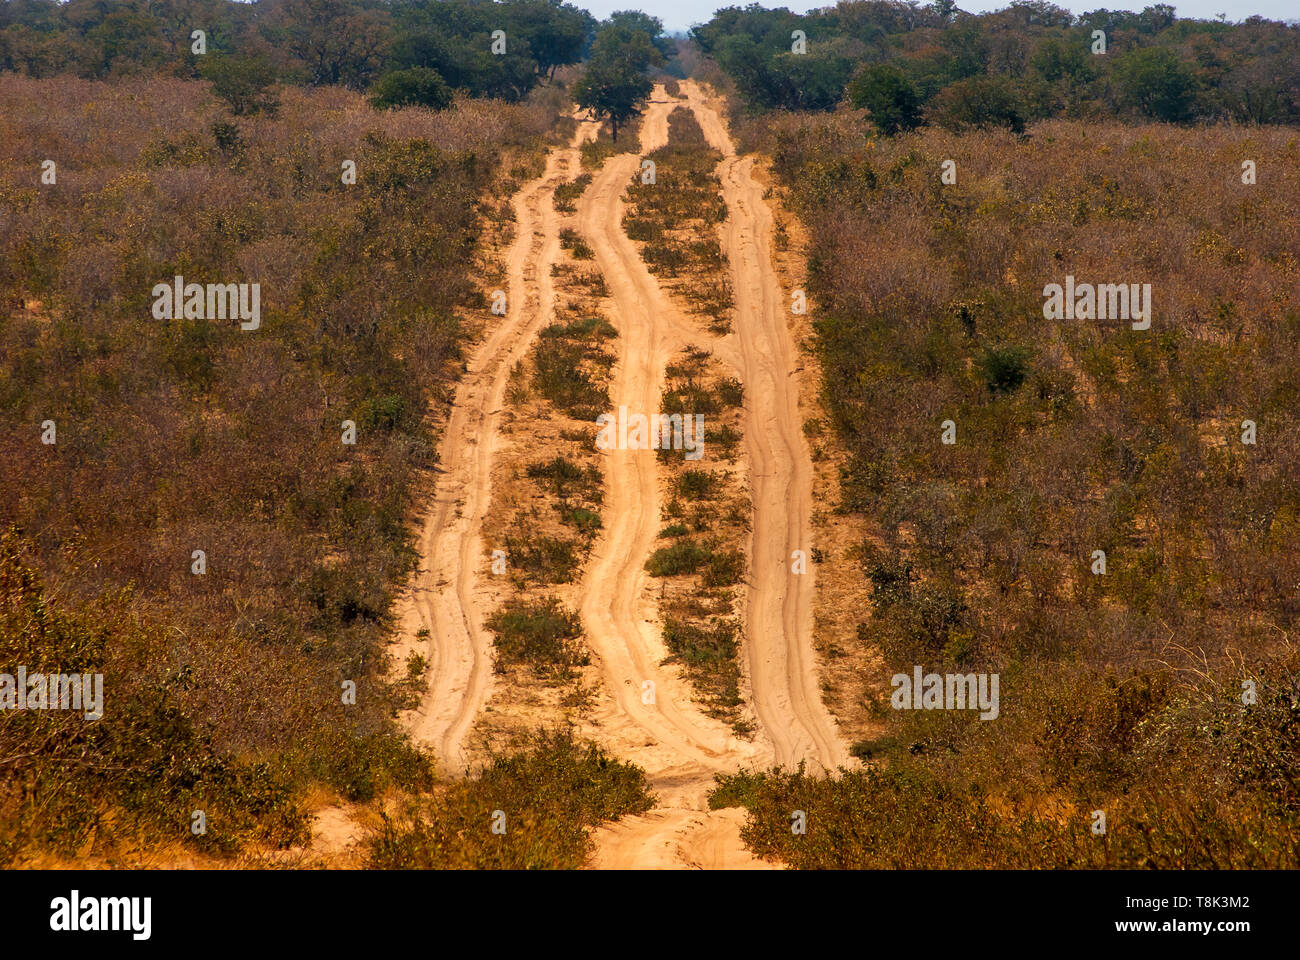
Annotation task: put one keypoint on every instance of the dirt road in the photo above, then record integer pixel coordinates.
(670, 738)
(667, 732)
(645, 711)
(782, 663)
(443, 599)
(658, 727)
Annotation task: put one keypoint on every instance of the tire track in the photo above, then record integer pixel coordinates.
(782, 662)
(679, 748)
(443, 598)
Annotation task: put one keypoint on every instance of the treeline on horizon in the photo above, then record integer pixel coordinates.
(353, 43)
(909, 64)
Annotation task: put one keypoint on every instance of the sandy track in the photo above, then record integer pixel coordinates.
(676, 839)
(680, 748)
(677, 745)
(782, 664)
(443, 597)
(669, 736)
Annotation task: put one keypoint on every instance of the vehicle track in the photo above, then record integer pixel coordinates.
(443, 598)
(679, 747)
(779, 604)
(668, 735)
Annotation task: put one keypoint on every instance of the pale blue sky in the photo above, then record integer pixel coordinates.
(680, 14)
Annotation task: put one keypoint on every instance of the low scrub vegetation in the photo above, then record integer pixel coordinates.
(541, 634)
(546, 510)
(1187, 777)
(675, 220)
(533, 810)
(701, 560)
(179, 436)
(571, 367)
(1075, 505)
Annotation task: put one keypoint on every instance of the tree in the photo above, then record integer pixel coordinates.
(245, 83)
(886, 93)
(1266, 90)
(1158, 83)
(1063, 63)
(944, 9)
(652, 27)
(615, 84)
(454, 38)
(413, 87)
(556, 32)
(814, 80)
(337, 41)
(987, 101)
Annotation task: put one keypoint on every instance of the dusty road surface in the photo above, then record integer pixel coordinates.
(679, 747)
(644, 711)
(443, 597)
(782, 663)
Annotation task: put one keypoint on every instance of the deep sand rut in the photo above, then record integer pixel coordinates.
(666, 733)
(679, 747)
(443, 597)
(779, 604)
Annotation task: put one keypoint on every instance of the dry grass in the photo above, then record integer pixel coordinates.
(1120, 692)
(175, 436)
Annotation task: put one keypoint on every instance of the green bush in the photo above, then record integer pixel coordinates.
(708, 654)
(695, 485)
(560, 379)
(1004, 368)
(141, 768)
(543, 559)
(541, 633)
(890, 98)
(724, 569)
(384, 414)
(979, 102)
(551, 794)
(1158, 83)
(245, 83)
(684, 556)
(412, 87)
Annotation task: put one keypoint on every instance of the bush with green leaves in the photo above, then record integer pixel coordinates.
(542, 634)
(979, 103)
(1004, 367)
(888, 96)
(550, 794)
(412, 87)
(247, 84)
